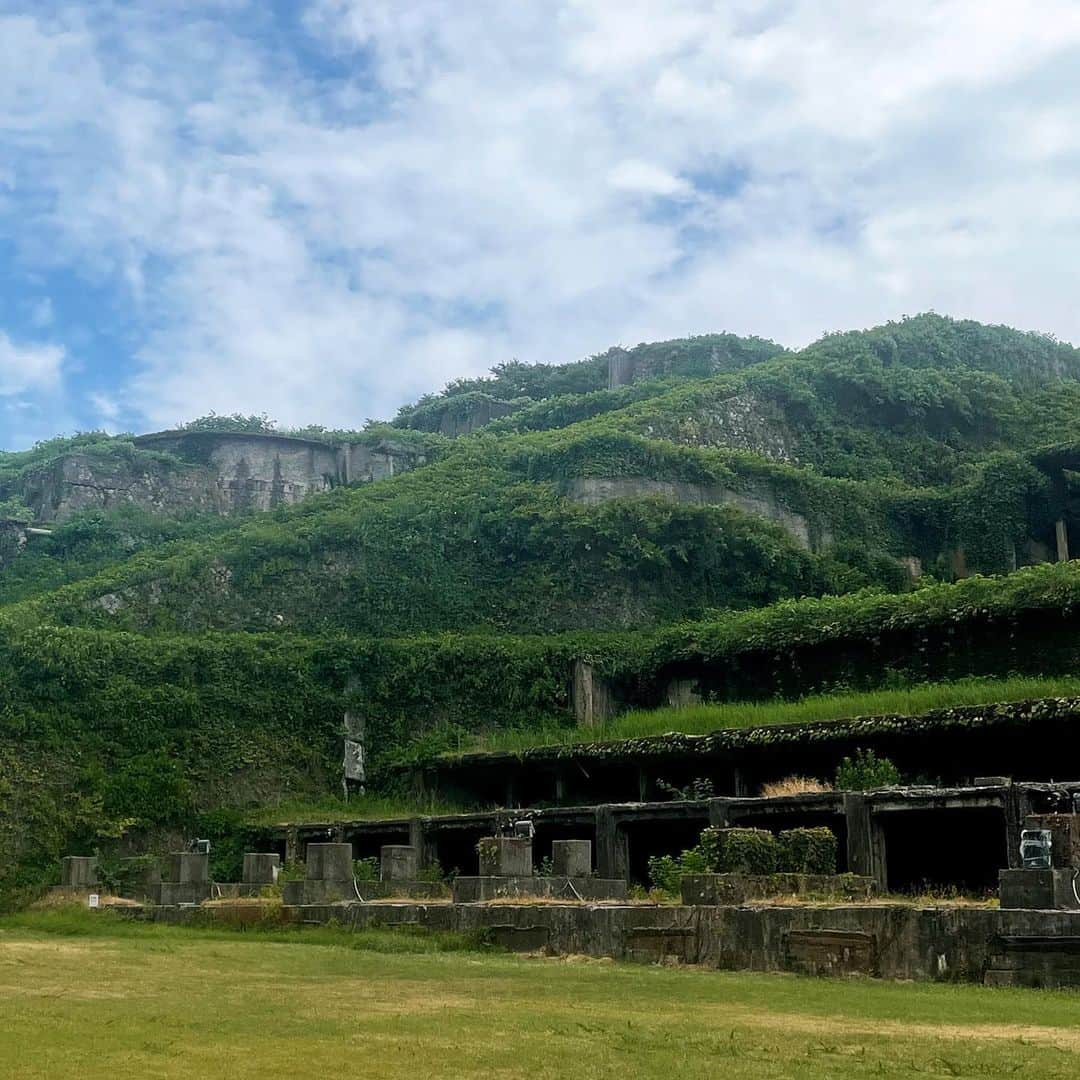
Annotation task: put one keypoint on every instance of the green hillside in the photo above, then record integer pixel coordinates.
(735, 505)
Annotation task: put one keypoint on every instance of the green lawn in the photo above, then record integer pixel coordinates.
(702, 719)
(164, 1002)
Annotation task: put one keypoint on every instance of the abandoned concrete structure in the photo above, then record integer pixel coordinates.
(208, 472)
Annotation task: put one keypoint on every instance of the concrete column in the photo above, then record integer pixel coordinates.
(590, 695)
(78, 872)
(1017, 807)
(329, 862)
(620, 369)
(865, 840)
(612, 849)
(261, 867)
(1061, 534)
(292, 844)
(421, 838)
(189, 868)
(642, 784)
(398, 863)
(572, 858)
(560, 788)
(719, 810)
(506, 856)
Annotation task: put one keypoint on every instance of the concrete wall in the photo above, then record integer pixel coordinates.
(253, 471)
(760, 503)
(83, 481)
(218, 472)
(892, 941)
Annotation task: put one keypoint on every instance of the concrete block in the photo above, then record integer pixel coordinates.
(170, 893)
(398, 862)
(572, 858)
(732, 890)
(471, 890)
(189, 868)
(505, 856)
(329, 862)
(261, 867)
(1039, 890)
(78, 872)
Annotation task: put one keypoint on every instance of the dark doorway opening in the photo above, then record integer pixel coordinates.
(944, 849)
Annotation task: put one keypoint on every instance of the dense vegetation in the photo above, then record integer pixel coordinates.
(748, 513)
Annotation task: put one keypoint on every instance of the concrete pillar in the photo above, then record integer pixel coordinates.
(506, 856)
(1061, 534)
(261, 867)
(292, 844)
(560, 788)
(189, 868)
(865, 840)
(682, 693)
(329, 862)
(572, 858)
(398, 862)
(612, 849)
(590, 695)
(958, 558)
(620, 369)
(719, 812)
(422, 838)
(642, 784)
(78, 872)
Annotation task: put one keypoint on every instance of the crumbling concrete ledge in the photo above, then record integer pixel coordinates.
(892, 941)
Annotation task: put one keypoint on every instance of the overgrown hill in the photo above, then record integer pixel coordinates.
(856, 462)
(152, 666)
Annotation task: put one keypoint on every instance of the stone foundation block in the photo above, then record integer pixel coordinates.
(189, 868)
(261, 868)
(735, 889)
(572, 858)
(329, 862)
(1040, 890)
(398, 862)
(471, 890)
(78, 872)
(505, 856)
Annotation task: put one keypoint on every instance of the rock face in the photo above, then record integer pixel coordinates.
(760, 502)
(253, 471)
(215, 472)
(12, 541)
(84, 481)
(743, 421)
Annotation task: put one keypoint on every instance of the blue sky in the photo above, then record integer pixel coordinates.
(320, 209)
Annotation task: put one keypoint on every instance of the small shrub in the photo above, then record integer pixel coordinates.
(366, 869)
(807, 851)
(701, 787)
(746, 851)
(546, 867)
(794, 785)
(433, 873)
(666, 871)
(865, 772)
(292, 871)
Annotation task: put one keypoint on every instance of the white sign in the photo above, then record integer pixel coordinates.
(93, 899)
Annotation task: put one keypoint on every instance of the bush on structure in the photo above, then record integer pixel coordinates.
(366, 869)
(666, 871)
(865, 772)
(745, 851)
(807, 851)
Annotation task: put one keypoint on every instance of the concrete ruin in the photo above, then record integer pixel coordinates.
(205, 471)
(506, 871)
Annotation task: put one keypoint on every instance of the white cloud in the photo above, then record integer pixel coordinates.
(28, 369)
(456, 184)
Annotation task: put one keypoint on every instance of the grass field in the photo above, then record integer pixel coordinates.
(99, 1000)
(702, 719)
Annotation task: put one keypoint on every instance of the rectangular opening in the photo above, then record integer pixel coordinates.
(944, 849)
